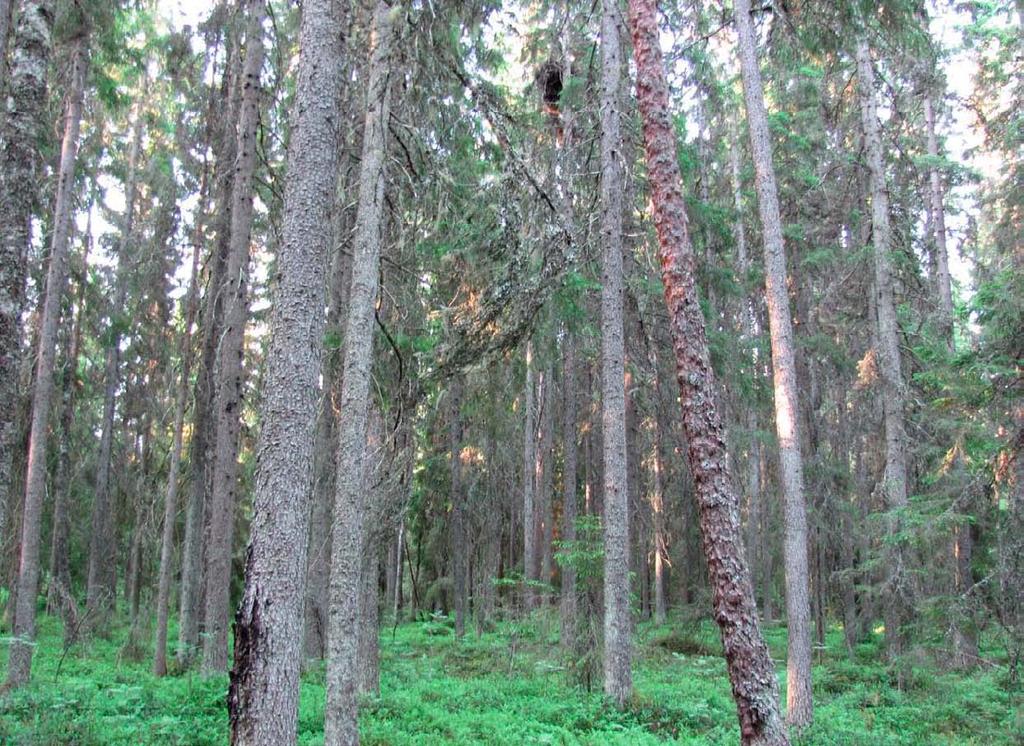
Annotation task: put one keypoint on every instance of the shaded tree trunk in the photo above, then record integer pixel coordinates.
(748, 662)
(570, 432)
(340, 720)
(458, 539)
(101, 579)
(787, 421)
(529, 467)
(618, 680)
(230, 355)
(19, 664)
(24, 124)
(896, 592)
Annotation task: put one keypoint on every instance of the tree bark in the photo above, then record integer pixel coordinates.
(101, 578)
(529, 467)
(25, 98)
(618, 679)
(570, 432)
(897, 584)
(263, 698)
(6, 7)
(193, 543)
(163, 596)
(936, 198)
(751, 672)
(459, 539)
(59, 592)
(787, 422)
(340, 722)
(230, 355)
(546, 479)
(20, 658)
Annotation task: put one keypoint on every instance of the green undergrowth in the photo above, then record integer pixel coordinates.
(511, 686)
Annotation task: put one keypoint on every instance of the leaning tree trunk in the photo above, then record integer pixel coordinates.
(787, 421)
(749, 664)
(101, 539)
(897, 584)
(618, 678)
(340, 726)
(20, 658)
(231, 352)
(23, 128)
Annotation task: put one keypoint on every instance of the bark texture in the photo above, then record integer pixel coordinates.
(340, 721)
(570, 432)
(230, 356)
(799, 711)
(23, 127)
(618, 678)
(458, 538)
(19, 664)
(750, 668)
(529, 467)
(264, 694)
(894, 482)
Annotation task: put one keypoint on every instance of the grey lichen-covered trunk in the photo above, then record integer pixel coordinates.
(340, 721)
(748, 662)
(6, 8)
(936, 198)
(787, 420)
(19, 663)
(263, 698)
(897, 590)
(546, 478)
(618, 678)
(230, 354)
(24, 125)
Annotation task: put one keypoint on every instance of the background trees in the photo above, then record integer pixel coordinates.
(420, 326)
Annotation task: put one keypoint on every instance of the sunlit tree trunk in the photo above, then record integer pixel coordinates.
(23, 126)
(787, 421)
(897, 584)
(748, 662)
(340, 721)
(231, 351)
(19, 664)
(618, 680)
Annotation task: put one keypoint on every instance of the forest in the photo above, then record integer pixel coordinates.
(538, 371)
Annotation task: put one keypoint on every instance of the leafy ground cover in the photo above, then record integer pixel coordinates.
(511, 686)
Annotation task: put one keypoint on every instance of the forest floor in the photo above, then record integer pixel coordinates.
(511, 687)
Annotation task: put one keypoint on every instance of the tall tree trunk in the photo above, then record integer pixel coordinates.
(936, 198)
(570, 432)
(25, 98)
(458, 538)
(529, 467)
(618, 679)
(231, 351)
(6, 8)
(340, 725)
(750, 666)
(787, 421)
(658, 496)
(101, 539)
(897, 588)
(59, 592)
(263, 698)
(163, 594)
(192, 545)
(19, 664)
(545, 483)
